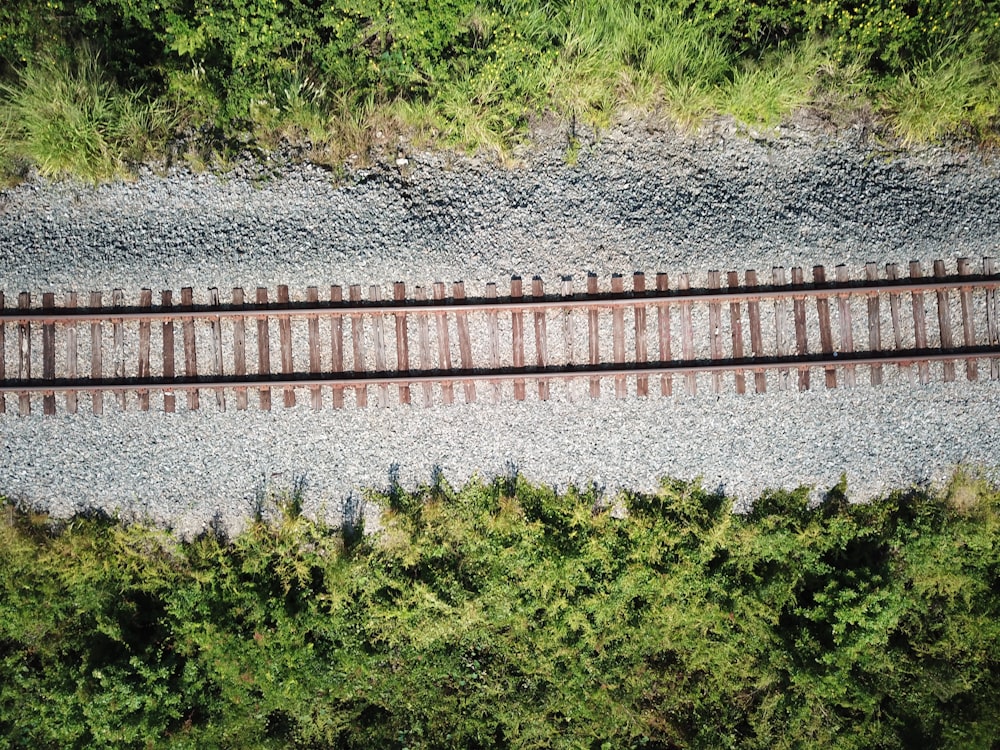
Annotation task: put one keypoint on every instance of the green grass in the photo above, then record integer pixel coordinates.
(767, 92)
(947, 95)
(508, 615)
(67, 119)
(474, 75)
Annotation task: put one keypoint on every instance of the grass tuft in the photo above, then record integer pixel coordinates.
(970, 493)
(68, 119)
(944, 96)
(690, 66)
(765, 93)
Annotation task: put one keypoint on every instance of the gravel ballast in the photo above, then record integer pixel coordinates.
(636, 201)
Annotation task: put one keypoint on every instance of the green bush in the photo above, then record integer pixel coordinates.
(897, 35)
(508, 615)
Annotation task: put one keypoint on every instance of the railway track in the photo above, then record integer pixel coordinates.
(653, 335)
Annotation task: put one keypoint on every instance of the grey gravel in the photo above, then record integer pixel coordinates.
(637, 200)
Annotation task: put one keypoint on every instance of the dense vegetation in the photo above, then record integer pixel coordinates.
(507, 615)
(336, 74)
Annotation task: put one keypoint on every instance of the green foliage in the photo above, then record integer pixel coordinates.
(472, 74)
(509, 615)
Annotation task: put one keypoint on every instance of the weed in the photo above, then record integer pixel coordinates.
(572, 154)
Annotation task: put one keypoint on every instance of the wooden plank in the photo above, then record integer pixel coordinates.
(72, 354)
(444, 345)
(118, 351)
(423, 337)
(593, 344)
(167, 336)
(736, 327)
(687, 336)
(618, 335)
(517, 336)
(464, 341)
(756, 335)
(874, 323)
(402, 341)
(358, 347)
(24, 353)
(801, 334)
(992, 314)
(48, 354)
(920, 323)
(215, 326)
(569, 335)
(825, 327)
(337, 344)
(892, 273)
(494, 334)
(781, 327)
(715, 329)
(944, 321)
(378, 328)
(3, 363)
(190, 348)
(663, 333)
(315, 361)
(239, 347)
(285, 342)
(639, 311)
(145, 326)
(968, 320)
(541, 338)
(846, 326)
(96, 355)
(263, 349)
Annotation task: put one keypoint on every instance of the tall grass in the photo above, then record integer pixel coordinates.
(765, 93)
(473, 75)
(68, 119)
(294, 108)
(945, 96)
(613, 55)
(690, 66)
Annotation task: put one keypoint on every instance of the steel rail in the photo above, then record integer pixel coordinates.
(901, 357)
(295, 309)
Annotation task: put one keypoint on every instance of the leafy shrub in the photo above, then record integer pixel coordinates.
(504, 615)
(899, 36)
